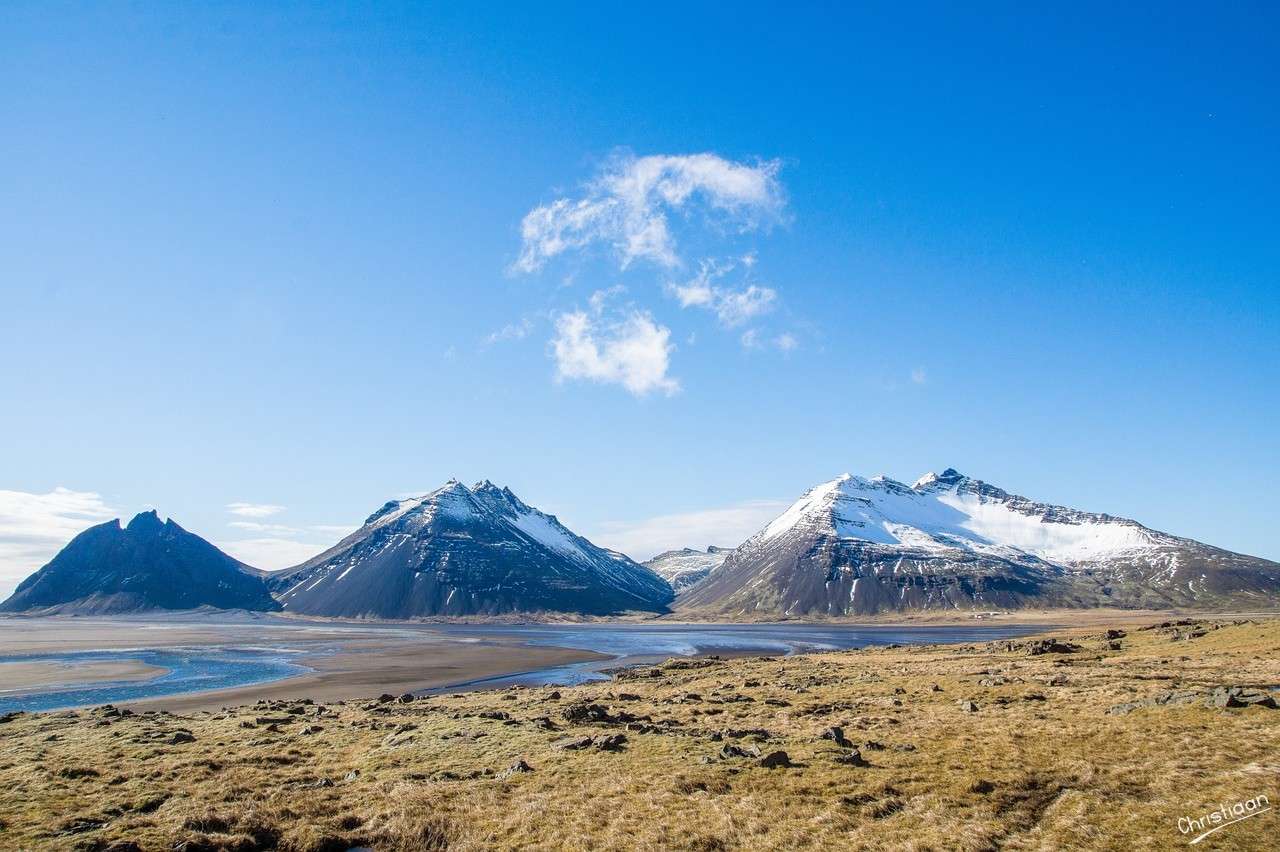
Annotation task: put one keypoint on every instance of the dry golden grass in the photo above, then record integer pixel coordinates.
(1020, 773)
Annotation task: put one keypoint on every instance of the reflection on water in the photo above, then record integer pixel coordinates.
(189, 670)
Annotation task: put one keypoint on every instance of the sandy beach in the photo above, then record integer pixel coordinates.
(49, 675)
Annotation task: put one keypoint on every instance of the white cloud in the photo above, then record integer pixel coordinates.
(254, 510)
(510, 331)
(750, 339)
(255, 526)
(786, 342)
(728, 526)
(732, 307)
(271, 553)
(626, 206)
(34, 527)
(630, 350)
(918, 376)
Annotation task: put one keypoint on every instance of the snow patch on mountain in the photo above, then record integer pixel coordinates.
(686, 567)
(951, 511)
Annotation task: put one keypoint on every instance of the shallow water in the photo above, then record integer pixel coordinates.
(189, 670)
(207, 668)
(629, 644)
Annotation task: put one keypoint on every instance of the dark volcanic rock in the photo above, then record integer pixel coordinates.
(150, 564)
(775, 759)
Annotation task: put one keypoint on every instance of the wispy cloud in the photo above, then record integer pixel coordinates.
(731, 307)
(34, 527)
(254, 510)
(272, 553)
(726, 526)
(511, 331)
(623, 347)
(786, 342)
(255, 526)
(918, 376)
(626, 207)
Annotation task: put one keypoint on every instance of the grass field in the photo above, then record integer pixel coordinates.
(945, 747)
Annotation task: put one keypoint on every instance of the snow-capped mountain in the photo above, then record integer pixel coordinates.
(686, 567)
(859, 546)
(149, 564)
(467, 551)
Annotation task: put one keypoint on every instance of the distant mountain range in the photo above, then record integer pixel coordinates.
(685, 568)
(848, 547)
(467, 551)
(855, 546)
(150, 564)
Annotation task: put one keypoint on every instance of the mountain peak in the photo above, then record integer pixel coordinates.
(950, 476)
(150, 564)
(464, 551)
(146, 521)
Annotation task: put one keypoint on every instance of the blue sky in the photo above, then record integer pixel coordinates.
(275, 257)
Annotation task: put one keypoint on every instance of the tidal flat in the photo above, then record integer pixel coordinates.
(1086, 738)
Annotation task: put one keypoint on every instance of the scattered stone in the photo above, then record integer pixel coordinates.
(352, 775)
(610, 742)
(386, 698)
(775, 759)
(1115, 634)
(967, 706)
(1236, 696)
(407, 698)
(9, 717)
(729, 751)
(981, 786)
(517, 768)
(312, 729)
(494, 714)
(585, 712)
(1220, 697)
(935, 688)
(180, 737)
(1050, 646)
(836, 735)
(852, 757)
